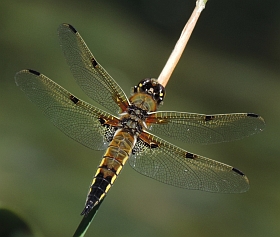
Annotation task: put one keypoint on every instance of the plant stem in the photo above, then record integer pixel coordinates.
(181, 44)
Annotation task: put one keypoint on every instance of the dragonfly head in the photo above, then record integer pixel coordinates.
(151, 87)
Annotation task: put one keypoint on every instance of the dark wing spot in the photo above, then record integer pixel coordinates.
(34, 72)
(93, 62)
(190, 155)
(102, 121)
(153, 145)
(71, 28)
(237, 171)
(253, 115)
(209, 117)
(74, 99)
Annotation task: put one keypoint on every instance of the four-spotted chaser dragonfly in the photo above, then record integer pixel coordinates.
(125, 131)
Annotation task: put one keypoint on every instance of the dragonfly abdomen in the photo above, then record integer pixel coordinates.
(111, 165)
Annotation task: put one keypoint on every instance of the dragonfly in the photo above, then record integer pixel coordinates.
(129, 129)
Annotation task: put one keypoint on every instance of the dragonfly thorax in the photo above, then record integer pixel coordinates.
(136, 112)
(134, 119)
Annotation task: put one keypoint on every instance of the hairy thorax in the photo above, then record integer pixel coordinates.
(133, 120)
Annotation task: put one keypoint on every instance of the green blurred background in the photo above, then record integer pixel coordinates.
(230, 65)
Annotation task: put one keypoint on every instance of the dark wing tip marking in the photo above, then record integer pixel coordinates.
(34, 72)
(238, 171)
(209, 117)
(190, 155)
(74, 99)
(71, 28)
(253, 115)
(93, 62)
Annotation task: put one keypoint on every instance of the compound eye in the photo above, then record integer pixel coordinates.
(147, 85)
(151, 87)
(143, 86)
(160, 92)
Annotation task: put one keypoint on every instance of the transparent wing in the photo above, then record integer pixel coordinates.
(201, 128)
(89, 74)
(172, 165)
(76, 118)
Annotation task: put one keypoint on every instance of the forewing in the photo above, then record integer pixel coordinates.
(89, 74)
(172, 165)
(202, 128)
(76, 118)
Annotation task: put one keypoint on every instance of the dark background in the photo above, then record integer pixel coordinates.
(231, 64)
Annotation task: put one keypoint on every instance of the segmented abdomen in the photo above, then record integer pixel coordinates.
(111, 164)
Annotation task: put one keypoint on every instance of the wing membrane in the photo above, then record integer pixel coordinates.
(89, 74)
(76, 118)
(201, 128)
(174, 166)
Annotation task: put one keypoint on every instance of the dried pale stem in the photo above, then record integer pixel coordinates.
(181, 43)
